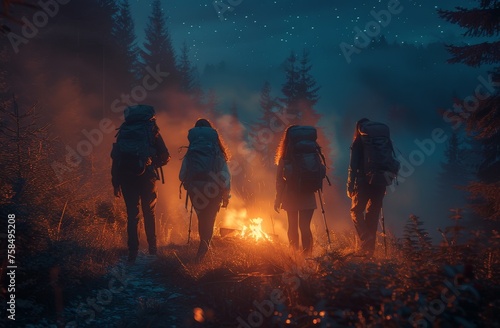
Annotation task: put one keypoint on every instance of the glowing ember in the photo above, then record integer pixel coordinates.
(254, 231)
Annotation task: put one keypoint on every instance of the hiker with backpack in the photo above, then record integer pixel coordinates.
(138, 154)
(205, 175)
(372, 168)
(300, 172)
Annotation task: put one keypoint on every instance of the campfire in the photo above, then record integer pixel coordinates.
(236, 224)
(254, 230)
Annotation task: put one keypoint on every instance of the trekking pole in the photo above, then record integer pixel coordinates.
(324, 217)
(190, 220)
(382, 219)
(162, 176)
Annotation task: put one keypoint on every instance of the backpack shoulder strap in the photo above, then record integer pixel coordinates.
(318, 147)
(118, 129)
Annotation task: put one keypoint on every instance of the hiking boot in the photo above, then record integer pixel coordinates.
(132, 255)
(152, 251)
(200, 255)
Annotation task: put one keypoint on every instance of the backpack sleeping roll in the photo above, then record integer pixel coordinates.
(380, 166)
(135, 141)
(305, 166)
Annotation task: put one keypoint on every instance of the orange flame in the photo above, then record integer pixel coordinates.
(254, 231)
(244, 227)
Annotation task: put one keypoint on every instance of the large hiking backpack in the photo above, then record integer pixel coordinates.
(306, 167)
(202, 157)
(135, 143)
(380, 166)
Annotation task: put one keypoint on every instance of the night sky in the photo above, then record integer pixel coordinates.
(256, 33)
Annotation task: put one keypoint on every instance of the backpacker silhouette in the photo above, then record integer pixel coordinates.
(134, 149)
(305, 166)
(380, 165)
(137, 154)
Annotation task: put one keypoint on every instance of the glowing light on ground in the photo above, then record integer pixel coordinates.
(198, 314)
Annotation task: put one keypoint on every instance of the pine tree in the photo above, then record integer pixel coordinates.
(452, 155)
(417, 248)
(105, 53)
(158, 48)
(264, 133)
(300, 92)
(454, 175)
(187, 73)
(26, 154)
(482, 21)
(125, 43)
(307, 91)
(290, 87)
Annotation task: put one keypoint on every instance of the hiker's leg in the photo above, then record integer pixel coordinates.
(206, 221)
(149, 198)
(358, 204)
(131, 197)
(305, 217)
(372, 216)
(293, 228)
(203, 230)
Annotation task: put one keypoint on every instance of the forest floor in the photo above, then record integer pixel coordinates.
(243, 283)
